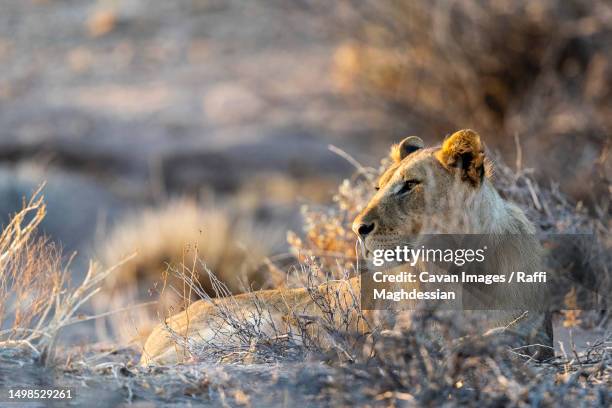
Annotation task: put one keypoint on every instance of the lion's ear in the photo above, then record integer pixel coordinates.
(464, 151)
(409, 145)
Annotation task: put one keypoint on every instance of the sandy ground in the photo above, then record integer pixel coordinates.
(102, 376)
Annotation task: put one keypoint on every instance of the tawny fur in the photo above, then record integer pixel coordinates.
(448, 199)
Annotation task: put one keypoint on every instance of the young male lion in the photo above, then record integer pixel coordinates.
(444, 189)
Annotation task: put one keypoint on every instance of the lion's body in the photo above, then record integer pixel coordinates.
(425, 191)
(202, 321)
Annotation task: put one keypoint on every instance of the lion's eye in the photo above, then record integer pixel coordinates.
(406, 187)
(376, 188)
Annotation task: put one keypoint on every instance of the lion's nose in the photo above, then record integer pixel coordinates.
(363, 229)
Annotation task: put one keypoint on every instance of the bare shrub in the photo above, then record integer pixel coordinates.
(327, 234)
(507, 67)
(251, 332)
(416, 368)
(36, 300)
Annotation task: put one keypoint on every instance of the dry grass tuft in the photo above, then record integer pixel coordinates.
(36, 300)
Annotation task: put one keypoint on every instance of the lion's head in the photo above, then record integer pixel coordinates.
(424, 190)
